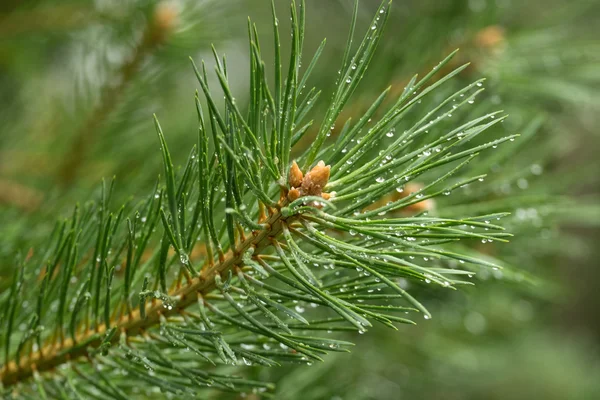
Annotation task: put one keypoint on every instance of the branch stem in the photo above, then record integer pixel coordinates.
(50, 357)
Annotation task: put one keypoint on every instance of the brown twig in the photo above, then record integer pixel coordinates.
(156, 33)
(20, 196)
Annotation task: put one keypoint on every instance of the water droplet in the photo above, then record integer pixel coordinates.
(183, 258)
(522, 183)
(475, 323)
(536, 169)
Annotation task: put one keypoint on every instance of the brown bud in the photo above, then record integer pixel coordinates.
(293, 194)
(296, 176)
(409, 188)
(425, 205)
(165, 19)
(490, 38)
(316, 179)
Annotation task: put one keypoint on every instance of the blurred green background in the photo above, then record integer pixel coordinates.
(79, 81)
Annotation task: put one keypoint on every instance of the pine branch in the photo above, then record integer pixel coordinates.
(134, 324)
(244, 301)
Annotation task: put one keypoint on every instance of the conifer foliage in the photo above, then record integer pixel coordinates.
(247, 255)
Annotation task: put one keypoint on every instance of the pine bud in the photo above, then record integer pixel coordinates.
(293, 194)
(491, 37)
(408, 189)
(164, 21)
(425, 205)
(296, 176)
(316, 179)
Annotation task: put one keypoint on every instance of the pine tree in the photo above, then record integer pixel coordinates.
(259, 247)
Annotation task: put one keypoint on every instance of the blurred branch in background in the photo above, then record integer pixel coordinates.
(162, 20)
(55, 17)
(82, 92)
(12, 193)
